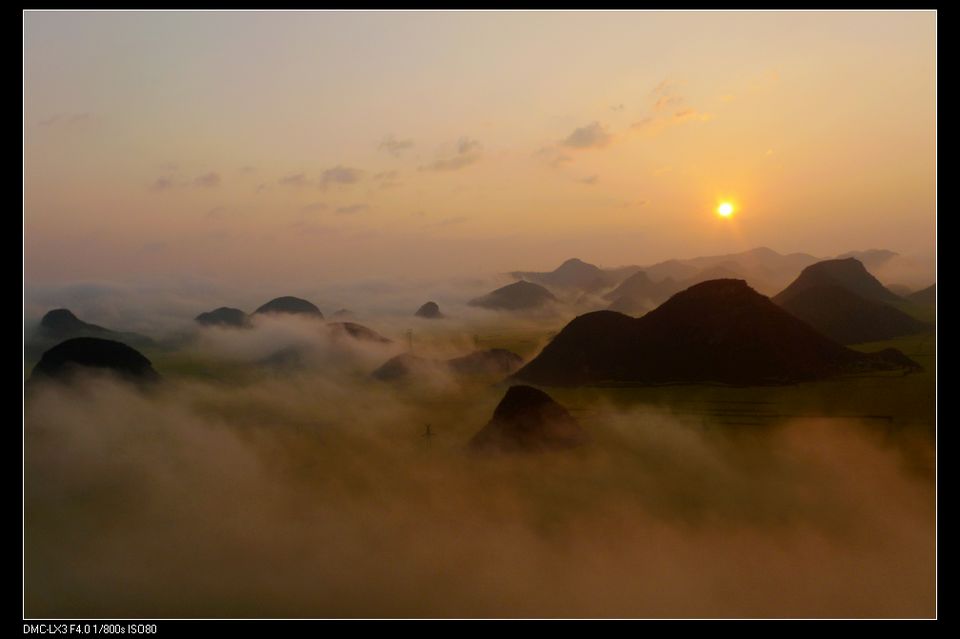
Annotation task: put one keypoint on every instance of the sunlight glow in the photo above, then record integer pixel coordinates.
(725, 209)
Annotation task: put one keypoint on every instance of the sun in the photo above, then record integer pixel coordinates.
(725, 209)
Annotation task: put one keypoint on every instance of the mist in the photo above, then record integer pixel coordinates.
(313, 492)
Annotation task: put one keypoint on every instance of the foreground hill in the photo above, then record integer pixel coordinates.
(74, 355)
(718, 331)
(528, 420)
(518, 296)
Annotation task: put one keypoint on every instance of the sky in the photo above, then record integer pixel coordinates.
(285, 146)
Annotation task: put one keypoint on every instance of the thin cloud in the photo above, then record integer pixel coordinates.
(593, 135)
(664, 88)
(552, 156)
(340, 175)
(352, 209)
(297, 179)
(665, 102)
(590, 179)
(208, 180)
(666, 110)
(314, 207)
(447, 221)
(163, 184)
(65, 119)
(616, 107)
(468, 151)
(393, 146)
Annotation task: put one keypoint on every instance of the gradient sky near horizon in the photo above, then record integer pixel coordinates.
(257, 146)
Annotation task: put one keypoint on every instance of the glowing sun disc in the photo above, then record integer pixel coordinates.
(725, 209)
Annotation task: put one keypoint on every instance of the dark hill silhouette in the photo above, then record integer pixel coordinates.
(640, 287)
(287, 359)
(871, 258)
(925, 297)
(224, 316)
(638, 294)
(404, 366)
(629, 305)
(574, 273)
(900, 289)
(718, 331)
(515, 297)
(358, 332)
(72, 356)
(290, 305)
(846, 317)
(494, 362)
(725, 271)
(528, 420)
(61, 324)
(848, 273)
(429, 310)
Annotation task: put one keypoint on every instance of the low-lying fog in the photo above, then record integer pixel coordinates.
(313, 491)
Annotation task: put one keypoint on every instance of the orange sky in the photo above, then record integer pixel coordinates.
(310, 145)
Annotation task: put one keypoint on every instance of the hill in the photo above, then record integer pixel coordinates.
(925, 297)
(61, 324)
(515, 297)
(572, 274)
(528, 420)
(720, 331)
(429, 310)
(848, 273)
(358, 332)
(290, 306)
(68, 358)
(224, 316)
(490, 363)
(846, 317)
